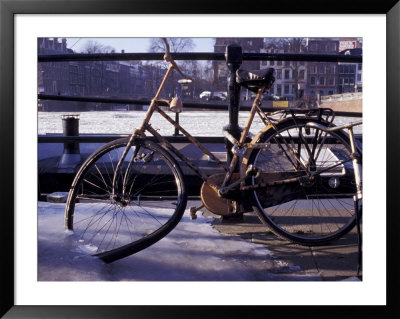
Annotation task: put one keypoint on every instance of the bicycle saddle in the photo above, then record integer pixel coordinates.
(253, 80)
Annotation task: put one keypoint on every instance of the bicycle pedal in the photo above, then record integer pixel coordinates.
(252, 171)
(193, 212)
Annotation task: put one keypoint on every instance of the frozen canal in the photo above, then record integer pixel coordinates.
(193, 251)
(200, 123)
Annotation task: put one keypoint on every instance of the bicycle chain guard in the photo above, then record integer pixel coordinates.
(222, 205)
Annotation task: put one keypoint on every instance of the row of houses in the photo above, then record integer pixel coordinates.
(301, 79)
(136, 80)
(95, 78)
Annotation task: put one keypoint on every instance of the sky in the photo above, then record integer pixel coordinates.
(131, 45)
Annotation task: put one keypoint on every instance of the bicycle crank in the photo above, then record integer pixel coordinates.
(224, 206)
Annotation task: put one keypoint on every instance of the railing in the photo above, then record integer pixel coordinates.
(342, 97)
(233, 56)
(310, 57)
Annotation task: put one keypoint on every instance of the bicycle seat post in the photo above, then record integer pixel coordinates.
(234, 58)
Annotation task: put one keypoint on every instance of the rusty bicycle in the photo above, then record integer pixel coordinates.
(301, 174)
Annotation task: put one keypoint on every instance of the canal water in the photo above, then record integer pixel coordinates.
(197, 123)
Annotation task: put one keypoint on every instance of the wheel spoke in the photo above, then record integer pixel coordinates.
(316, 209)
(148, 199)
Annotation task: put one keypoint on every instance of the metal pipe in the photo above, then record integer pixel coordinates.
(200, 56)
(187, 105)
(234, 58)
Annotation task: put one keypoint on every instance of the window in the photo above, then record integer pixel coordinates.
(272, 90)
(271, 63)
(74, 68)
(359, 77)
(321, 80)
(287, 63)
(331, 81)
(360, 66)
(322, 69)
(301, 75)
(279, 89)
(279, 74)
(313, 69)
(351, 81)
(286, 89)
(312, 80)
(279, 63)
(314, 47)
(54, 86)
(287, 74)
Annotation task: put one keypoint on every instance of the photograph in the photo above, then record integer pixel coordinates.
(288, 174)
(176, 160)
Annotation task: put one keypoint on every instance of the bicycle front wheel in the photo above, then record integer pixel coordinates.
(147, 202)
(310, 182)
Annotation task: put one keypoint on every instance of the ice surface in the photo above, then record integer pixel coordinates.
(197, 123)
(193, 251)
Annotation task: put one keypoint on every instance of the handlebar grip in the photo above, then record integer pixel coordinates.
(168, 58)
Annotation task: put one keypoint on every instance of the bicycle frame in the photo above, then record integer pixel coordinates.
(145, 126)
(239, 147)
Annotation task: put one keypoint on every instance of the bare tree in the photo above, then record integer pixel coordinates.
(175, 44)
(96, 47)
(96, 69)
(193, 68)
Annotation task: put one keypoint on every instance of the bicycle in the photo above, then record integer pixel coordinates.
(301, 174)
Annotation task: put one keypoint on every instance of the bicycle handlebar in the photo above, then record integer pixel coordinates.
(168, 58)
(166, 45)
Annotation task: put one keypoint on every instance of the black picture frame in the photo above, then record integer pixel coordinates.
(8, 10)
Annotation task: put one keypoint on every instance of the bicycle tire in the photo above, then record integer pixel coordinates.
(308, 213)
(155, 200)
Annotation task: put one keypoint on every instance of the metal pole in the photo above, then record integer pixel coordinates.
(176, 131)
(71, 154)
(234, 58)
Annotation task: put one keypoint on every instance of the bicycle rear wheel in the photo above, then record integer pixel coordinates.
(307, 211)
(148, 202)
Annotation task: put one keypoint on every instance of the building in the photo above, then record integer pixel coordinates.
(53, 77)
(93, 78)
(290, 76)
(322, 77)
(350, 74)
(220, 69)
(296, 80)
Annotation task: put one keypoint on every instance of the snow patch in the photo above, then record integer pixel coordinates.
(193, 251)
